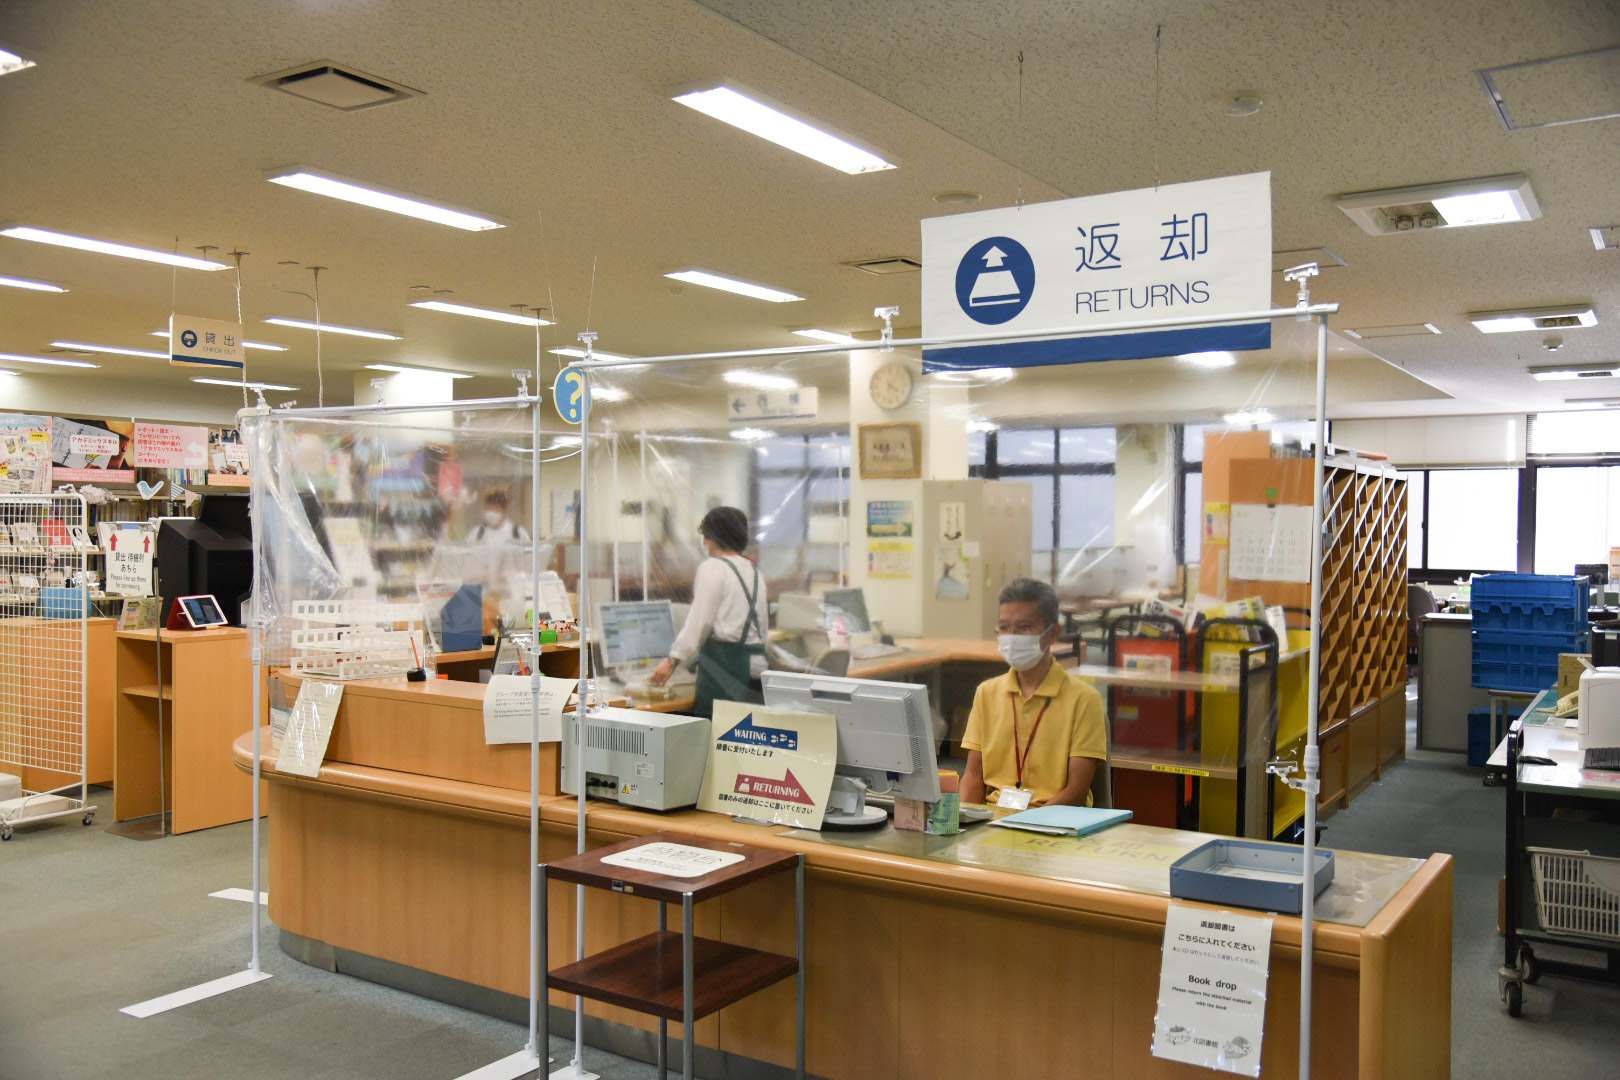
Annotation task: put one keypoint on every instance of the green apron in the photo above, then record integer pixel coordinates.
(725, 668)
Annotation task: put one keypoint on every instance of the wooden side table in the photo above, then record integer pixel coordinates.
(668, 975)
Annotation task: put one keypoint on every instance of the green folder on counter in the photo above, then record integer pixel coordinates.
(1064, 820)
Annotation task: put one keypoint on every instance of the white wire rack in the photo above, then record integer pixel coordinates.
(355, 639)
(44, 587)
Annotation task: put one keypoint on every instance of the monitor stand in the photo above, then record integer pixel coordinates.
(847, 809)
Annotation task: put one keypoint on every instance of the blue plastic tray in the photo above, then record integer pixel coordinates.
(1245, 873)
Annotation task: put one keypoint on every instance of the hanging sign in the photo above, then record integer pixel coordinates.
(747, 405)
(1178, 251)
(571, 394)
(1212, 989)
(206, 343)
(129, 561)
(168, 446)
(773, 765)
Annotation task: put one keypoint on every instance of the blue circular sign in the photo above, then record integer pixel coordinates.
(571, 394)
(995, 280)
(188, 338)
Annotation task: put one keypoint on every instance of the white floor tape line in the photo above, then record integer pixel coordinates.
(508, 1068)
(199, 992)
(244, 895)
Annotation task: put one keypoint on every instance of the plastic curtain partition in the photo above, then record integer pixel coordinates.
(1141, 483)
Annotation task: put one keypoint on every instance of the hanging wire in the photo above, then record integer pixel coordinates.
(238, 255)
(590, 297)
(1018, 124)
(1158, 133)
(320, 373)
(174, 285)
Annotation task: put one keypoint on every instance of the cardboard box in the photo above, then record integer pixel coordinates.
(1570, 666)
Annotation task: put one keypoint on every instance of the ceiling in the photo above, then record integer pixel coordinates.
(140, 125)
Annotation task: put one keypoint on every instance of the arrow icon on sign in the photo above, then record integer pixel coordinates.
(994, 258)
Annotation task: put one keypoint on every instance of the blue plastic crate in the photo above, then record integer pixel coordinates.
(1572, 593)
(1550, 616)
(1522, 660)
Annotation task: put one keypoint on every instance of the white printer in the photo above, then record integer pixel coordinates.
(652, 761)
(1598, 721)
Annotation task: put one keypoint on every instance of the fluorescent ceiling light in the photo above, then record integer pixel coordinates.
(24, 283)
(246, 344)
(1489, 200)
(758, 380)
(751, 434)
(82, 347)
(982, 426)
(481, 313)
(579, 354)
(105, 247)
(1552, 318)
(1210, 360)
(711, 280)
(417, 370)
(1249, 416)
(331, 328)
(380, 198)
(828, 336)
(10, 61)
(1571, 372)
(609, 393)
(753, 112)
(977, 375)
(236, 383)
(15, 359)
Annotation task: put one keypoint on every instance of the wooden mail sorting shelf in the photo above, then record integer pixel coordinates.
(668, 975)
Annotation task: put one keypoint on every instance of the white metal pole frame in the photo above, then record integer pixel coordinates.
(537, 1053)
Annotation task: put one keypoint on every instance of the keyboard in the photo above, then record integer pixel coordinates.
(1606, 758)
(873, 651)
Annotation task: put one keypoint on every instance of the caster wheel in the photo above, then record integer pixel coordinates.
(89, 818)
(1532, 969)
(1513, 993)
(5, 834)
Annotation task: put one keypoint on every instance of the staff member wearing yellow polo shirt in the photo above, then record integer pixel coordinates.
(1036, 735)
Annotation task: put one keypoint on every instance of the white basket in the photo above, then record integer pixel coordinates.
(1577, 892)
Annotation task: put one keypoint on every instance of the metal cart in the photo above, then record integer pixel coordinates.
(1563, 874)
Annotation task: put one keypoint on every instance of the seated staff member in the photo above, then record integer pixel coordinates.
(1036, 735)
(728, 622)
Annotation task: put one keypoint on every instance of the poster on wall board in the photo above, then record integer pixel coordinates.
(95, 451)
(888, 518)
(25, 454)
(227, 459)
(170, 446)
(890, 559)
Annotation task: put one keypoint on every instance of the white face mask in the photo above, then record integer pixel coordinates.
(494, 519)
(1021, 651)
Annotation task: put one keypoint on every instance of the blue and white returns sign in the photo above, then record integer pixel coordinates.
(1180, 251)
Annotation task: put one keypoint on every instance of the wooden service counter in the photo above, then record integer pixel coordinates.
(982, 954)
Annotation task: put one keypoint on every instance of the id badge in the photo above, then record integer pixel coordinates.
(1014, 798)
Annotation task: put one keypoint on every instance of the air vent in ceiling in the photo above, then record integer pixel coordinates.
(1421, 329)
(1560, 90)
(1321, 256)
(893, 264)
(342, 88)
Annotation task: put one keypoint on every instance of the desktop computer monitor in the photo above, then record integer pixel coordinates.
(194, 559)
(798, 611)
(885, 739)
(636, 632)
(846, 606)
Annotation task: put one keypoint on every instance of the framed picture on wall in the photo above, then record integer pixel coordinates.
(891, 451)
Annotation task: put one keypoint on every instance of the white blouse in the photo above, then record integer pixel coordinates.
(720, 608)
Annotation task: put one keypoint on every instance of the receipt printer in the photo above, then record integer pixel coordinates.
(1598, 722)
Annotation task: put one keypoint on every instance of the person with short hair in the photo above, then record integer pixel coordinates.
(1036, 735)
(497, 528)
(729, 619)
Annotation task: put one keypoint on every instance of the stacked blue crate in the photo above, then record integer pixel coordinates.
(1522, 622)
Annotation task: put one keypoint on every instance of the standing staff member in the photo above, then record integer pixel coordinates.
(726, 627)
(1036, 735)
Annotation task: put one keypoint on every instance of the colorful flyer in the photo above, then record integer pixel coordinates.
(170, 446)
(890, 559)
(888, 518)
(770, 764)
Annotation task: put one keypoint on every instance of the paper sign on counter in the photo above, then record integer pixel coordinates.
(1212, 989)
(675, 860)
(309, 728)
(509, 708)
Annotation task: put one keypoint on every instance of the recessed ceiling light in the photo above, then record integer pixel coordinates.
(1490, 200)
(579, 354)
(10, 61)
(988, 375)
(319, 182)
(753, 112)
(15, 359)
(827, 335)
(481, 313)
(1244, 105)
(1571, 372)
(236, 383)
(1550, 318)
(331, 328)
(398, 369)
(711, 280)
(759, 380)
(37, 286)
(982, 426)
(751, 434)
(106, 247)
(79, 346)
(265, 345)
(1393, 330)
(957, 198)
(1249, 416)
(609, 393)
(7, 371)
(1211, 360)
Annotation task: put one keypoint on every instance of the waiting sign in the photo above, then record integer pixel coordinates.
(770, 764)
(1178, 251)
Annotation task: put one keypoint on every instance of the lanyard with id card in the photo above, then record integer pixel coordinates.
(1019, 796)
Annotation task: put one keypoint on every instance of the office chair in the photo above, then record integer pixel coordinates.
(1419, 602)
(830, 662)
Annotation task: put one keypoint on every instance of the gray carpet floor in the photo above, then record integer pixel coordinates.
(91, 922)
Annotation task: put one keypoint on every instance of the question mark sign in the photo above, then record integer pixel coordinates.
(569, 395)
(578, 382)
